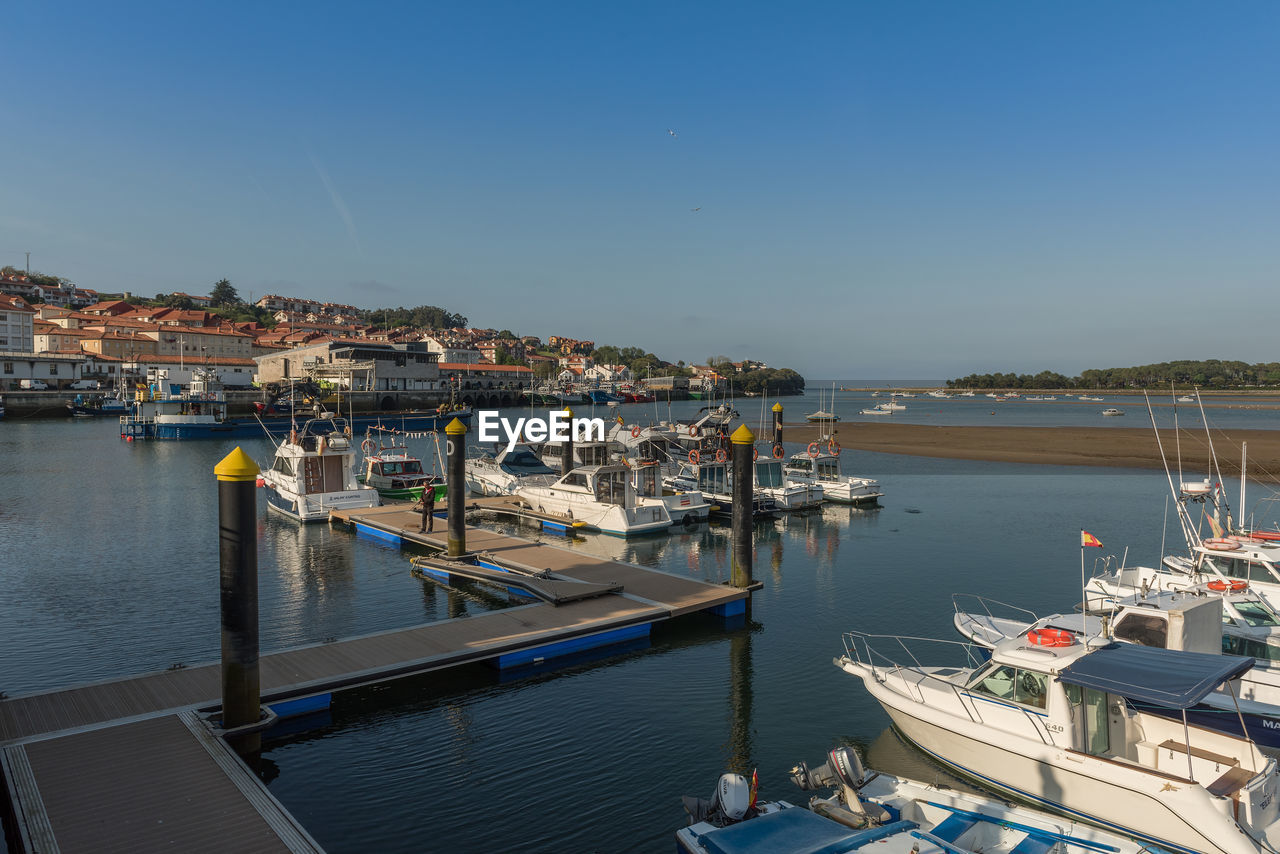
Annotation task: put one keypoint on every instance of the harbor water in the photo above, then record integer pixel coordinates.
(110, 568)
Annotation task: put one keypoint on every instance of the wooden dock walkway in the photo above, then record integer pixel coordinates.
(127, 765)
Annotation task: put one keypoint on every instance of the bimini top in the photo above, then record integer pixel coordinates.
(1166, 677)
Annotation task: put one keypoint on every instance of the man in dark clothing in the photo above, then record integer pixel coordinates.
(428, 507)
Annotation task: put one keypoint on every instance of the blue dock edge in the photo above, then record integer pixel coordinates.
(378, 534)
(302, 705)
(537, 655)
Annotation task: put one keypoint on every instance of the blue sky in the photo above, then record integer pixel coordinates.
(885, 189)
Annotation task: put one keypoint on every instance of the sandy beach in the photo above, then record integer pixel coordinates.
(1076, 446)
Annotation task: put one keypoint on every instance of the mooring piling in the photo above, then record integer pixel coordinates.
(742, 442)
(777, 425)
(238, 581)
(455, 488)
(566, 461)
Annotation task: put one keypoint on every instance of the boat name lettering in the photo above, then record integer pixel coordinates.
(556, 429)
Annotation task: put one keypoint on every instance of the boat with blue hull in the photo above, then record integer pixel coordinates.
(881, 813)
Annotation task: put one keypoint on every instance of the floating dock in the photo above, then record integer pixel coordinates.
(129, 764)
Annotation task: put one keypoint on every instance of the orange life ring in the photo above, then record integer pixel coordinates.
(694, 432)
(367, 447)
(777, 451)
(1235, 585)
(833, 448)
(635, 431)
(755, 454)
(694, 456)
(1051, 637)
(814, 450)
(1221, 544)
(721, 456)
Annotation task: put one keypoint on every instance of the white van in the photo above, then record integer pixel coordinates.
(82, 385)
(33, 385)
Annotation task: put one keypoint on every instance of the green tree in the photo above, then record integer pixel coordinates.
(224, 294)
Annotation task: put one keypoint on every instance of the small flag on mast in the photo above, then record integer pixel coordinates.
(755, 788)
(1087, 539)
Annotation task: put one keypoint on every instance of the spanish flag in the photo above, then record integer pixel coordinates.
(1087, 539)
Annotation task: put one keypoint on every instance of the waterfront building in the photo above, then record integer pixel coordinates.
(17, 324)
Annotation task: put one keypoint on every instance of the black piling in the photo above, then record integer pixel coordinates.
(777, 425)
(238, 563)
(455, 487)
(742, 444)
(566, 461)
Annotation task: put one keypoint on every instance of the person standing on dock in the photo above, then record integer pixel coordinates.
(428, 507)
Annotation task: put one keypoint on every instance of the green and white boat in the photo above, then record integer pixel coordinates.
(397, 475)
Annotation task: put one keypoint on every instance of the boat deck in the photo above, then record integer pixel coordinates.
(126, 765)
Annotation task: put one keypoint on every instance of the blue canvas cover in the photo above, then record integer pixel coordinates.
(1165, 677)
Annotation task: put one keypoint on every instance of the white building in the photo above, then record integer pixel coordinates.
(17, 325)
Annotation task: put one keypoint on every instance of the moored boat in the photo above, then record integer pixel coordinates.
(312, 473)
(388, 467)
(1049, 719)
(600, 497)
(823, 468)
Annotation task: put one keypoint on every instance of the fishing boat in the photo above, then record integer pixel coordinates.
(1113, 411)
(313, 472)
(168, 410)
(870, 811)
(503, 473)
(822, 467)
(1051, 719)
(96, 406)
(388, 467)
(1210, 618)
(601, 498)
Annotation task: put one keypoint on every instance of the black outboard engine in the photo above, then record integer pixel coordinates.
(843, 771)
(843, 767)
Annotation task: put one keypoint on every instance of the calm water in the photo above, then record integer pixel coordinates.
(109, 568)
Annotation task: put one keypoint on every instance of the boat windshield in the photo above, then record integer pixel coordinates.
(523, 462)
(1014, 684)
(1255, 614)
(828, 469)
(769, 474)
(1241, 568)
(800, 464)
(1236, 645)
(405, 467)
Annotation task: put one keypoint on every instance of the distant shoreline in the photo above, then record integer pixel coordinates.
(1119, 447)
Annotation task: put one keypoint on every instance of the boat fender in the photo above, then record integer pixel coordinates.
(1235, 585)
(694, 456)
(813, 449)
(777, 451)
(635, 431)
(1051, 637)
(720, 455)
(694, 432)
(293, 437)
(834, 448)
(320, 445)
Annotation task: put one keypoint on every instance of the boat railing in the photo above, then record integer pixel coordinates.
(971, 603)
(858, 647)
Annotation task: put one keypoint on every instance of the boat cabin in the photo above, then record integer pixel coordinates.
(584, 454)
(607, 484)
(823, 467)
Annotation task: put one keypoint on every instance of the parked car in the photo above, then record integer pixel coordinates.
(33, 385)
(81, 385)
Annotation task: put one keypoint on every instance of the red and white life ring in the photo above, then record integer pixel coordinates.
(1051, 637)
(833, 448)
(635, 431)
(721, 456)
(814, 450)
(1235, 585)
(1221, 544)
(694, 432)
(777, 451)
(367, 446)
(755, 454)
(694, 456)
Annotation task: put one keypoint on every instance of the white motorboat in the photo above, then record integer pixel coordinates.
(600, 497)
(1186, 398)
(711, 478)
(1113, 411)
(1090, 399)
(1050, 720)
(880, 813)
(823, 468)
(876, 411)
(313, 472)
(684, 507)
(967, 394)
(892, 406)
(1200, 619)
(788, 494)
(941, 394)
(504, 472)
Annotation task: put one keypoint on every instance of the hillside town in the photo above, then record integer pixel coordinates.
(57, 335)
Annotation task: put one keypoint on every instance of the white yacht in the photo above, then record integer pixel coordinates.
(823, 468)
(788, 494)
(601, 497)
(503, 473)
(313, 472)
(1113, 411)
(685, 507)
(1049, 719)
(1200, 619)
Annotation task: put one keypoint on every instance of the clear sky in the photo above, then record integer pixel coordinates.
(853, 188)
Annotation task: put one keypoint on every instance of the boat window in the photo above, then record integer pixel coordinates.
(828, 469)
(574, 478)
(712, 479)
(284, 465)
(998, 683)
(523, 461)
(1256, 614)
(1255, 571)
(1011, 683)
(1236, 645)
(1094, 733)
(647, 481)
(1031, 688)
(800, 464)
(412, 467)
(768, 474)
(1143, 629)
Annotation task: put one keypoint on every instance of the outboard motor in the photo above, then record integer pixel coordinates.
(728, 804)
(842, 770)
